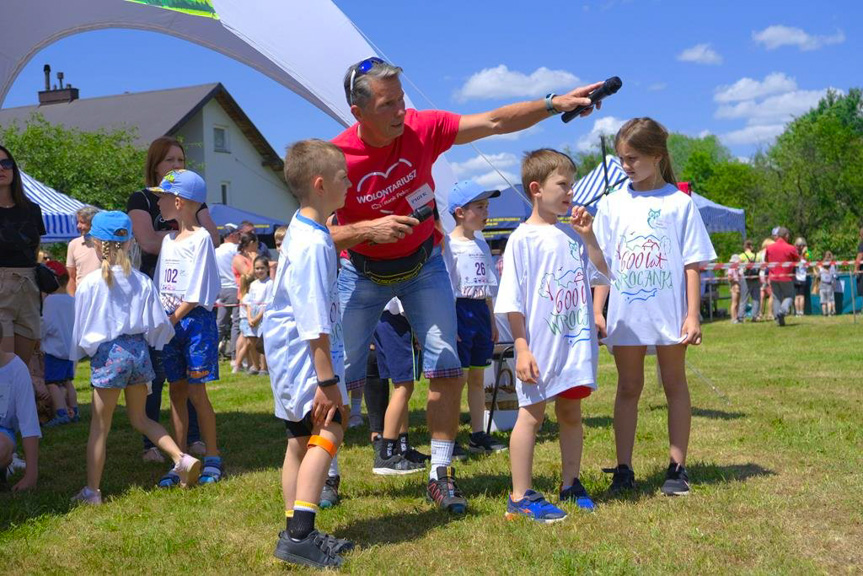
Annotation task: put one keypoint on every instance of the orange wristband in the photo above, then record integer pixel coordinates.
(322, 442)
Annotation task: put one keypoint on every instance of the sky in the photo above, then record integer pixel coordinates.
(738, 70)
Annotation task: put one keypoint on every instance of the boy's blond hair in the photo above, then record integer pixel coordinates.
(538, 165)
(308, 159)
(279, 234)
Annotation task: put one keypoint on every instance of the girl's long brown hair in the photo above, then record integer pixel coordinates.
(649, 137)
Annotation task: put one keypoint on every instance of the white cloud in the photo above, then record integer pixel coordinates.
(609, 125)
(700, 54)
(704, 133)
(750, 89)
(760, 134)
(501, 82)
(781, 108)
(776, 36)
(493, 180)
(657, 86)
(481, 163)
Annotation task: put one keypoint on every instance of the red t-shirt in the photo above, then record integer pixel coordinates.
(781, 251)
(396, 179)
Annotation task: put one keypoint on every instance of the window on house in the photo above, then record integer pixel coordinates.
(220, 139)
(226, 188)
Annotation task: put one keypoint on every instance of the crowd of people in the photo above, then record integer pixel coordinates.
(363, 292)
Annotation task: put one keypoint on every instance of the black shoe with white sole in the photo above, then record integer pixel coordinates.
(676, 481)
(395, 465)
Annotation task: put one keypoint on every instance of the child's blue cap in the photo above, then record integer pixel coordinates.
(183, 183)
(468, 191)
(111, 226)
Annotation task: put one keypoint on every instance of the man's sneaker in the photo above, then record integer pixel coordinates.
(330, 492)
(445, 493)
(676, 481)
(57, 421)
(534, 506)
(395, 465)
(87, 496)
(458, 453)
(623, 479)
(415, 456)
(578, 496)
(482, 443)
(153, 455)
(315, 550)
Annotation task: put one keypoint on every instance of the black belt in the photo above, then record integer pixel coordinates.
(386, 272)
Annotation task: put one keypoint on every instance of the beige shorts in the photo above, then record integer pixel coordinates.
(19, 303)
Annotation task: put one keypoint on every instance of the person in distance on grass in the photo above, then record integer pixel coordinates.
(304, 345)
(656, 242)
(58, 319)
(189, 285)
(474, 284)
(117, 316)
(545, 293)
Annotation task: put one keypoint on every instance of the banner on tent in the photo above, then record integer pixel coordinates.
(192, 7)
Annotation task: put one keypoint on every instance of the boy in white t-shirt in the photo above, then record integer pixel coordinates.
(18, 414)
(58, 322)
(545, 293)
(474, 284)
(189, 285)
(304, 344)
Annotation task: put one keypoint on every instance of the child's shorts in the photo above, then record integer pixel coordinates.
(397, 358)
(475, 346)
(193, 352)
(9, 433)
(304, 427)
(122, 362)
(576, 393)
(245, 329)
(58, 370)
(826, 292)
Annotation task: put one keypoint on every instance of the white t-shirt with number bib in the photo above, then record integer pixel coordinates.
(647, 239)
(305, 305)
(187, 271)
(547, 278)
(471, 268)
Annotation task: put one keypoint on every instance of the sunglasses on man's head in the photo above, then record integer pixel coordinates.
(361, 69)
(7, 163)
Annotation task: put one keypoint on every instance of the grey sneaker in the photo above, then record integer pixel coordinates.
(676, 481)
(330, 492)
(315, 550)
(87, 496)
(395, 465)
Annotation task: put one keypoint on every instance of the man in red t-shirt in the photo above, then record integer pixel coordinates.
(781, 276)
(390, 152)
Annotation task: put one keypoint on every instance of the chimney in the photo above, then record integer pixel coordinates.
(63, 94)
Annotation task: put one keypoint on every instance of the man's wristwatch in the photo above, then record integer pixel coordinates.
(329, 382)
(549, 106)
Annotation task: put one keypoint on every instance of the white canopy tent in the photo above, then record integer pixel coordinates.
(305, 45)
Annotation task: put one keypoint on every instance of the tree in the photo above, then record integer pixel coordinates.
(99, 168)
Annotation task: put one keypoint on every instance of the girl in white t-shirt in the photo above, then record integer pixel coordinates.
(654, 239)
(117, 315)
(260, 294)
(244, 352)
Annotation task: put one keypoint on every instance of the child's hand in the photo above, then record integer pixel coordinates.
(581, 221)
(494, 333)
(601, 326)
(691, 331)
(325, 405)
(28, 482)
(526, 367)
(41, 390)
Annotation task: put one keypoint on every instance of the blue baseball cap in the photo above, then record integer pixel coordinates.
(183, 183)
(468, 191)
(111, 226)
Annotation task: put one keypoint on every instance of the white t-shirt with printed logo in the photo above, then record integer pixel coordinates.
(647, 239)
(547, 278)
(187, 271)
(471, 268)
(305, 305)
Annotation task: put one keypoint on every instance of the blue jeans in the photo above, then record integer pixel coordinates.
(154, 402)
(429, 306)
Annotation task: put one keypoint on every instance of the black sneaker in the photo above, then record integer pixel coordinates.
(623, 479)
(458, 453)
(482, 443)
(676, 481)
(330, 492)
(445, 493)
(577, 494)
(395, 465)
(415, 456)
(315, 550)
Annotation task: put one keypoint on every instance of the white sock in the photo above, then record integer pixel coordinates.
(441, 455)
(356, 404)
(334, 466)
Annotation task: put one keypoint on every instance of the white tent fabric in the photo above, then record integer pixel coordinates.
(58, 210)
(305, 45)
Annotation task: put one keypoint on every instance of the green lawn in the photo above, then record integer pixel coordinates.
(775, 461)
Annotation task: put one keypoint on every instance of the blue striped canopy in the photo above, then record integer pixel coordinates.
(58, 210)
(591, 186)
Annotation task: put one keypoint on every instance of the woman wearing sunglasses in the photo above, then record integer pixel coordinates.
(21, 227)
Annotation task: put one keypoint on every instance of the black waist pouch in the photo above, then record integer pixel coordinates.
(387, 272)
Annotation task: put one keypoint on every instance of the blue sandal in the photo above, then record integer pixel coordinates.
(212, 470)
(169, 480)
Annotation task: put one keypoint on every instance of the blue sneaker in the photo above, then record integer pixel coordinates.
(534, 506)
(57, 421)
(577, 495)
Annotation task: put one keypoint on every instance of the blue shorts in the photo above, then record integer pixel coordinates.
(124, 361)
(475, 347)
(429, 307)
(8, 432)
(57, 370)
(193, 352)
(245, 329)
(398, 360)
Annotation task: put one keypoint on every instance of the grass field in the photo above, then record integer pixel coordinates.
(775, 462)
